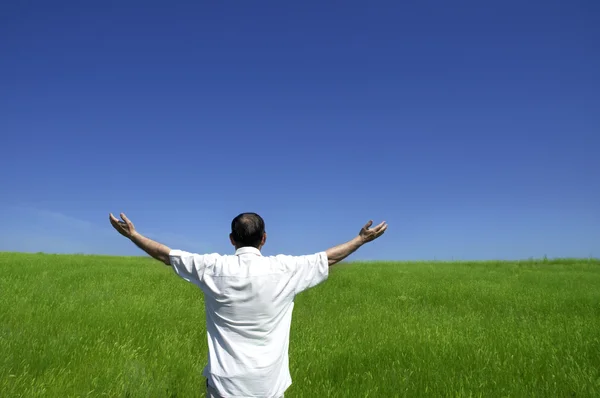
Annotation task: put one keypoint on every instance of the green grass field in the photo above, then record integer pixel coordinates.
(74, 326)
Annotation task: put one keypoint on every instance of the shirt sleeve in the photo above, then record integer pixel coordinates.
(189, 266)
(309, 271)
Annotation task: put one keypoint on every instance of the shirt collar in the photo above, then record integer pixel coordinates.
(248, 250)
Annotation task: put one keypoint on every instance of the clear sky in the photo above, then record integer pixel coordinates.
(472, 128)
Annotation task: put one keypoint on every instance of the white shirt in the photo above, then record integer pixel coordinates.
(249, 300)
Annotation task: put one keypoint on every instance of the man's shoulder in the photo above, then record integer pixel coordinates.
(298, 256)
(295, 260)
(180, 252)
(276, 257)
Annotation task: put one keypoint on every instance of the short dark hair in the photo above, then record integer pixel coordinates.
(247, 229)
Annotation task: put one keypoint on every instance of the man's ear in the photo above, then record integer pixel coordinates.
(264, 239)
(231, 239)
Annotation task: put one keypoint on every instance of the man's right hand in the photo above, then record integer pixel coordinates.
(124, 227)
(367, 235)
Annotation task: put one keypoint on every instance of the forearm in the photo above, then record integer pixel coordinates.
(340, 252)
(154, 249)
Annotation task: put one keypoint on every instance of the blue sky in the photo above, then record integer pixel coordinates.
(471, 128)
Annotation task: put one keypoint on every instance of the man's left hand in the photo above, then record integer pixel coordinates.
(124, 227)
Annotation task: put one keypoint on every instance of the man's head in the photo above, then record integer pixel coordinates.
(248, 229)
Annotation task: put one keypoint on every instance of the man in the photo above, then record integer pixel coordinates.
(249, 300)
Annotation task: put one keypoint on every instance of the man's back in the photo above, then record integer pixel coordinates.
(249, 300)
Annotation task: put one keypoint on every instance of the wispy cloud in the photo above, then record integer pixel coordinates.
(67, 220)
(33, 229)
(54, 217)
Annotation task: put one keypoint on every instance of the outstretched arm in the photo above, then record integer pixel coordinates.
(154, 249)
(340, 252)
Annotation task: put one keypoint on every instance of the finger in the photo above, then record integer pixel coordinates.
(367, 225)
(117, 225)
(124, 217)
(381, 225)
(113, 220)
(381, 231)
(377, 228)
